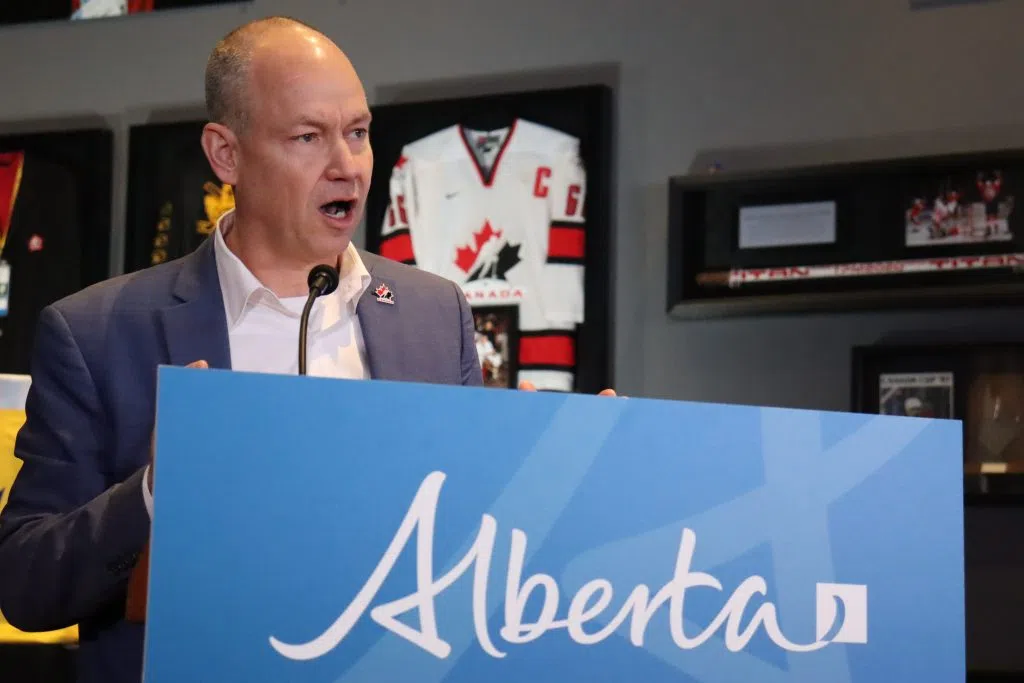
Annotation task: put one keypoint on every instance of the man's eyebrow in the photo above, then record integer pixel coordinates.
(321, 123)
(310, 121)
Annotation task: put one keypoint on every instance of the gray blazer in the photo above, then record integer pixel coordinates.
(76, 521)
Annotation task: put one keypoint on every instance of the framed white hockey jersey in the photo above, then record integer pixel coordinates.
(505, 211)
(31, 11)
(500, 212)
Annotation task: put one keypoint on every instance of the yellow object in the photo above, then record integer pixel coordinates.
(218, 200)
(10, 423)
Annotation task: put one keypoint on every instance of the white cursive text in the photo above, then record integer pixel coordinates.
(585, 606)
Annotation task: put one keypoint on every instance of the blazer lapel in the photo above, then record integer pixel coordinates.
(196, 328)
(378, 321)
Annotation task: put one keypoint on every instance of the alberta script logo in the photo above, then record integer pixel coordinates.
(638, 608)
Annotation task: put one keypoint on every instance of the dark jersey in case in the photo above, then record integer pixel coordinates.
(42, 247)
(177, 199)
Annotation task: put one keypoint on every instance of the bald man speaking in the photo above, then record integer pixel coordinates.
(289, 130)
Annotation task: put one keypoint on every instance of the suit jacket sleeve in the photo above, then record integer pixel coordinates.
(68, 539)
(472, 375)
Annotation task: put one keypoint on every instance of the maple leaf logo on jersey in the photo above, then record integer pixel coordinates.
(466, 256)
(488, 256)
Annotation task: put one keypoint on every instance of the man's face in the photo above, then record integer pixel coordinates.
(304, 160)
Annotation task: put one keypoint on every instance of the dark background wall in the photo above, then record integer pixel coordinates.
(746, 83)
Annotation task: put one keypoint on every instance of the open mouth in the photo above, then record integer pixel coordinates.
(338, 209)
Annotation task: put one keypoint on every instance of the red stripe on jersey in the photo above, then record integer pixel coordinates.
(398, 247)
(11, 164)
(549, 349)
(566, 241)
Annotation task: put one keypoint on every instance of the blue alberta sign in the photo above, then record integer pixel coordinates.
(336, 531)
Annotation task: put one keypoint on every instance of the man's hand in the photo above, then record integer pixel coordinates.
(527, 385)
(149, 472)
(199, 364)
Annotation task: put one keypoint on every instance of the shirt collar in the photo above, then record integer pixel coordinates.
(241, 289)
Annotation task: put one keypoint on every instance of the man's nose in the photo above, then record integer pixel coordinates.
(342, 162)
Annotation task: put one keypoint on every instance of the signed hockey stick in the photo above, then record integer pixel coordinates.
(739, 277)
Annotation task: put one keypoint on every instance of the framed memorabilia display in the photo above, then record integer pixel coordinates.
(174, 198)
(55, 194)
(508, 196)
(933, 230)
(981, 385)
(28, 11)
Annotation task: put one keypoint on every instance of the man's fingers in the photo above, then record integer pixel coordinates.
(527, 385)
(201, 364)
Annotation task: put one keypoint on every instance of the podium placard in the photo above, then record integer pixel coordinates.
(338, 531)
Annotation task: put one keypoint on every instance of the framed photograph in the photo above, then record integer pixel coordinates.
(963, 208)
(982, 385)
(55, 194)
(508, 196)
(174, 198)
(497, 344)
(916, 394)
(879, 234)
(29, 11)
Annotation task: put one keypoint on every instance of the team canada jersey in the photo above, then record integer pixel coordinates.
(501, 213)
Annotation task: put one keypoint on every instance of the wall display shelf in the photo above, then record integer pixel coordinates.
(928, 231)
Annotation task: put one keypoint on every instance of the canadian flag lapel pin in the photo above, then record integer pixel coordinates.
(384, 295)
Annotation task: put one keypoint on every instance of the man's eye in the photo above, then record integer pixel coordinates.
(307, 137)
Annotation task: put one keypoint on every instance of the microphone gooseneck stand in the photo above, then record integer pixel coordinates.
(322, 280)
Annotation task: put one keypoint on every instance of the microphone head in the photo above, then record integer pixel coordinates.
(323, 279)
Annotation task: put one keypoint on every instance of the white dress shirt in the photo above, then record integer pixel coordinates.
(263, 329)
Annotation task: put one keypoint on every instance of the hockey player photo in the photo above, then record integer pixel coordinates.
(174, 198)
(927, 394)
(960, 210)
(496, 332)
(507, 197)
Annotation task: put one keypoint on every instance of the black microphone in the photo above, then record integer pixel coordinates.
(322, 280)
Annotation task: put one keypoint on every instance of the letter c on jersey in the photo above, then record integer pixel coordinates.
(540, 189)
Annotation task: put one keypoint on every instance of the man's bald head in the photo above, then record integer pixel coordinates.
(229, 67)
(289, 131)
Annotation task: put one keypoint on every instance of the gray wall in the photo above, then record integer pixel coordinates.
(745, 82)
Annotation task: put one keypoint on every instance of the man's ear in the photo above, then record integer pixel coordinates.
(220, 145)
